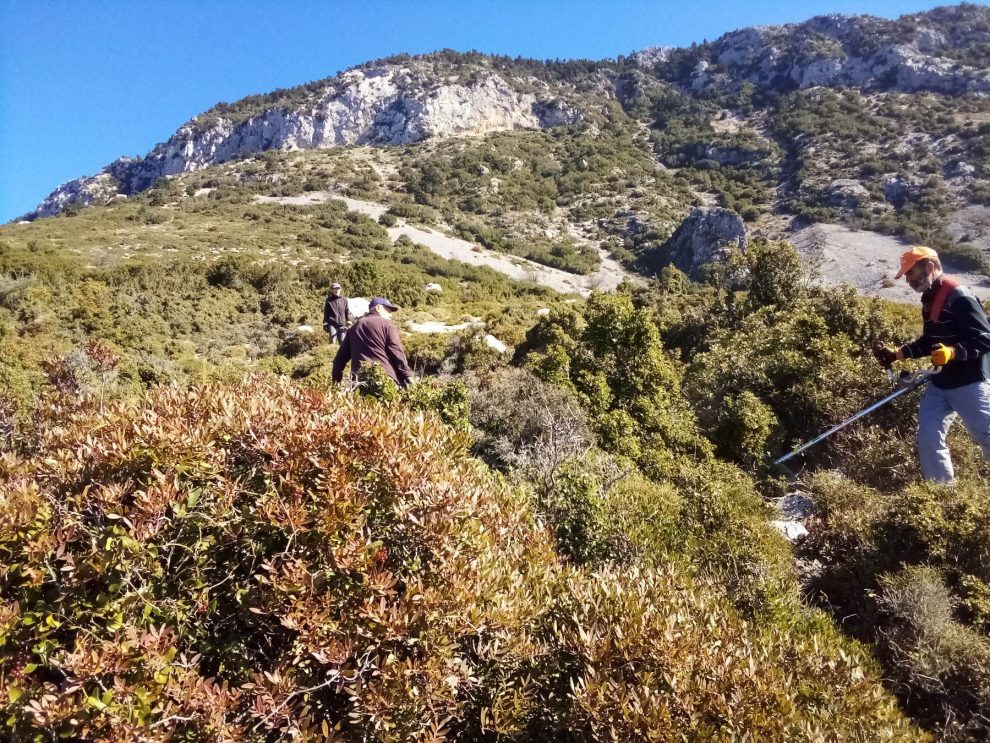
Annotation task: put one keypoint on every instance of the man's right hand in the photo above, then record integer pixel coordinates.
(886, 356)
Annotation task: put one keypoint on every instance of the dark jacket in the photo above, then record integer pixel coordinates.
(962, 324)
(335, 311)
(374, 339)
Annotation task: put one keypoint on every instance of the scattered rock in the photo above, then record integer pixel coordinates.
(492, 342)
(899, 188)
(796, 506)
(434, 326)
(433, 288)
(792, 530)
(795, 509)
(959, 169)
(847, 193)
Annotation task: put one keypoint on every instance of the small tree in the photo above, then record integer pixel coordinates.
(775, 274)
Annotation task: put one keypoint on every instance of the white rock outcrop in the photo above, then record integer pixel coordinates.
(495, 344)
(383, 105)
(847, 51)
(847, 193)
(99, 189)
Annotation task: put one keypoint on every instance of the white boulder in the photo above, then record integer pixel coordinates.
(494, 343)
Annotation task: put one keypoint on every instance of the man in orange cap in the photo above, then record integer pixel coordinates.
(956, 335)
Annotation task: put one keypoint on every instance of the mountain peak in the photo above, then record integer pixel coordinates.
(404, 99)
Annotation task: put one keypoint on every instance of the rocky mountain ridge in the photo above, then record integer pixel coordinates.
(942, 51)
(406, 100)
(379, 105)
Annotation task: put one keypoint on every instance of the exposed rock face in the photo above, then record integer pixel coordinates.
(898, 188)
(387, 105)
(707, 236)
(851, 51)
(847, 193)
(651, 55)
(99, 188)
(726, 155)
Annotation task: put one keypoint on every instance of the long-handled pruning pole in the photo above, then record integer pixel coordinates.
(905, 383)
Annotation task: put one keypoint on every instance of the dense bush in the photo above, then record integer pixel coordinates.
(217, 564)
(909, 571)
(770, 360)
(612, 357)
(259, 561)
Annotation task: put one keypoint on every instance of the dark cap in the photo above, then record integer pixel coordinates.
(383, 302)
(335, 286)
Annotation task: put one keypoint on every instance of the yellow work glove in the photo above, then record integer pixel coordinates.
(942, 355)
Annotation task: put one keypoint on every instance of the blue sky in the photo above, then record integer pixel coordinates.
(82, 83)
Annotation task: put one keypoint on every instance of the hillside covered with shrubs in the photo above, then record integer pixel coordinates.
(199, 554)
(567, 537)
(866, 122)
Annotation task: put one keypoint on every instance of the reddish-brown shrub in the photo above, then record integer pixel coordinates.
(261, 561)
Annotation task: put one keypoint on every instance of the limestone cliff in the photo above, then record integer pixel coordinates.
(382, 105)
(942, 51)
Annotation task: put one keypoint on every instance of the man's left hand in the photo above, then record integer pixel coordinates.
(886, 356)
(942, 355)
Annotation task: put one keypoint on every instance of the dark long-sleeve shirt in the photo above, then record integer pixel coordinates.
(373, 339)
(961, 324)
(335, 311)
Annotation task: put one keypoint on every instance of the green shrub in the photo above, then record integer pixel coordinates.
(966, 257)
(448, 399)
(945, 664)
(615, 361)
(521, 421)
(572, 503)
(744, 428)
(413, 212)
(775, 274)
(906, 569)
(375, 383)
(297, 343)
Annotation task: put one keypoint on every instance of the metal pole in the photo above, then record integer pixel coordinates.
(912, 383)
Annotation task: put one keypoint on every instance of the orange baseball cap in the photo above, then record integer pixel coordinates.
(912, 256)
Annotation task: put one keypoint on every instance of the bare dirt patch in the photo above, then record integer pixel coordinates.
(867, 261)
(607, 277)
